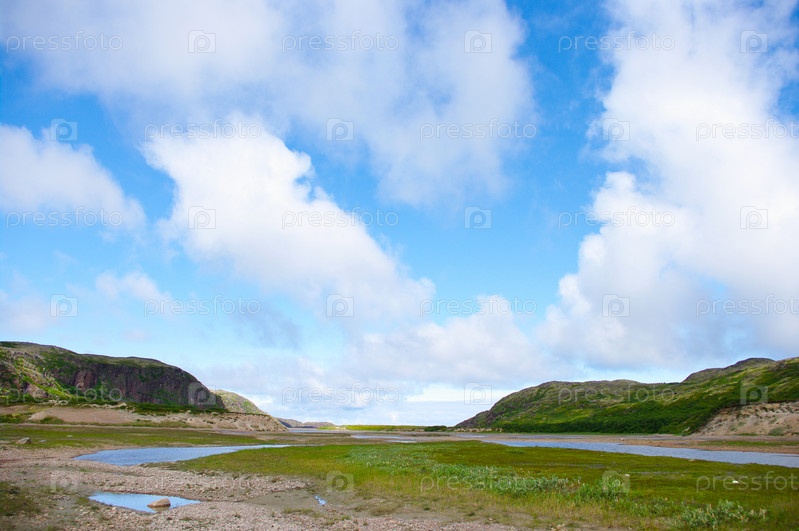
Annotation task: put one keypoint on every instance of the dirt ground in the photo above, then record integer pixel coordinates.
(249, 502)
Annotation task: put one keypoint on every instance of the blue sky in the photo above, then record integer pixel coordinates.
(401, 212)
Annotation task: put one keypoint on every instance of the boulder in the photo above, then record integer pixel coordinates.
(160, 504)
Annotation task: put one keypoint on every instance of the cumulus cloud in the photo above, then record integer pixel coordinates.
(134, 284)
(433, 91)
(250, 204)
(644, 292)
(62, 183)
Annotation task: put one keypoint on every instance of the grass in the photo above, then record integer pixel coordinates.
(533, 486)
(88, 436)
(382, 427)
(15, 501)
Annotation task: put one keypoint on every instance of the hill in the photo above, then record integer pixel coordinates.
(291, 423)
(236, 403)
(39, 373)
(626, 406)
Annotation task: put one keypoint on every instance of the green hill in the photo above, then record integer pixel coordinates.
(236, 403)
(625, 406)
(32, 373)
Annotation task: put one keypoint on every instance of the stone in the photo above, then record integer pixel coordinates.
(24, 440)
(158, 504)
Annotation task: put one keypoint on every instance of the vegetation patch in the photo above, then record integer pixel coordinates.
(529, 486)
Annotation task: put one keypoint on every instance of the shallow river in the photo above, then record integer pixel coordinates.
(723, 456)
(138, 456)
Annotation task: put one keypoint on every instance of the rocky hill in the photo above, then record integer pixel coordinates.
(291, 423)
(38, 373)
(236, 403)
(625, 406)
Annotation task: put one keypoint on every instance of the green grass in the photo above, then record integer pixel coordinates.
(533, 486)
(15, 500)
(382, 427)
(88, 436)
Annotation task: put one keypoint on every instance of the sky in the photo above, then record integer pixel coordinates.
(399, 212)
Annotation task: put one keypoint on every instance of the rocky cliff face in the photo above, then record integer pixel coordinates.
(31, 372)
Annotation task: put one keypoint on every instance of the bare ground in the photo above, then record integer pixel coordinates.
(247, 502)
(755, 419)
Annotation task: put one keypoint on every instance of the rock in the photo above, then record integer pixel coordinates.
(158, 504)
(24, 440)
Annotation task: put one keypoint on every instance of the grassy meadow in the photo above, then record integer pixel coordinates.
(533, 486)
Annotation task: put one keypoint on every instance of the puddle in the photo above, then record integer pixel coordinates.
(320, 500)
(138, 502)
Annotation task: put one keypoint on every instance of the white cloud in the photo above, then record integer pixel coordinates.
(662, 276)
(23, 315)
(442, 65)
(249, 203)
(65, 185)
(134, 284)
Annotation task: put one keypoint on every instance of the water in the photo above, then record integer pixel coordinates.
(139, 456)
(723, 456)
(137, 502)
(320, 500)
(393, 438)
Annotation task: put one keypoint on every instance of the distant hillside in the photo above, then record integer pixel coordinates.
(291, 423)
(236, 403)
(625, 406)
(38, 373)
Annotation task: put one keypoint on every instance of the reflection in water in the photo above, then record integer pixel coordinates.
(139, 456)
(723, 456)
